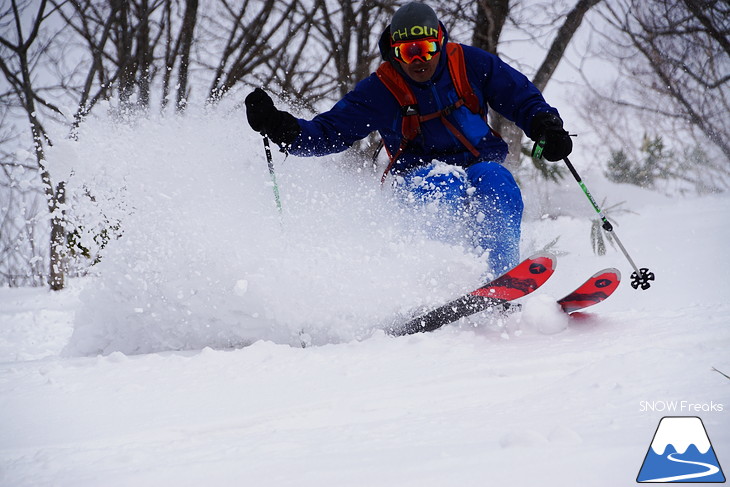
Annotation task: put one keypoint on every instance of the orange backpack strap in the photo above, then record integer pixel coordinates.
(411, 125)
(457, 69)
(406, 99)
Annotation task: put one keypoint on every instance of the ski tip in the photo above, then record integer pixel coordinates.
(544, 257)
(608, 270)
(543, 253)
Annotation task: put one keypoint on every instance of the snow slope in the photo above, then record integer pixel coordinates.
(180, 363)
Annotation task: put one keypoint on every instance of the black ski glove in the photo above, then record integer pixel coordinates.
(549, 126)
(264, 118)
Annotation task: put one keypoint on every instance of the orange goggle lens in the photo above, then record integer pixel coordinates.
(423, 49)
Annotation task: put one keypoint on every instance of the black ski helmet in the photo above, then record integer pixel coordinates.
(413, 21)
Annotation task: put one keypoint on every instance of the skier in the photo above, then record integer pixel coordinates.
(429, 101)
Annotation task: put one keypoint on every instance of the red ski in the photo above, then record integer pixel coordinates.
(596, 289)
(519, 281)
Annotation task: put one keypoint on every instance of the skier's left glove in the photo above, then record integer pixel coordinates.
(549, 126)
(264, 118)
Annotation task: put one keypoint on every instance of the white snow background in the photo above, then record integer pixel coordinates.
(181, 363)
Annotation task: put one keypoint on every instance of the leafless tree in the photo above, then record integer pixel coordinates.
(245, 35)
(20, 50)
(673, 58)
(92, 24)
(134, 34)
(177, 50)
(490, 20)
(349, 30)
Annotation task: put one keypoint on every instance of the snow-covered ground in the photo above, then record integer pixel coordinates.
(181, 362)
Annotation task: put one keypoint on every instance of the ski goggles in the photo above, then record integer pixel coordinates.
(423, 49)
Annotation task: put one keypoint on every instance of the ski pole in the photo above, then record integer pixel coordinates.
(270, 161)
(640, 277)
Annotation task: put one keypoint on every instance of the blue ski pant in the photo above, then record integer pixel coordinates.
(481, 202)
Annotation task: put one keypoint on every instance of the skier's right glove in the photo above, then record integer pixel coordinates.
(263, 117)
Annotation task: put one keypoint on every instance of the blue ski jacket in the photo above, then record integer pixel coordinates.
(371, 107)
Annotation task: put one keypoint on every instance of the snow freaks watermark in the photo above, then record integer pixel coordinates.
(680, 451)
(680, 407)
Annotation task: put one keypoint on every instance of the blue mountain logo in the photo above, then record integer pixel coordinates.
(681, 452)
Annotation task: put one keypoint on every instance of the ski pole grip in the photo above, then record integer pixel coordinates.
(538, 148)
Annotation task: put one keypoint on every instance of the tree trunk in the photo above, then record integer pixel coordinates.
(144, 53)
(186, 37)
(123, 43)
(54, 198)
(492, 15)
(59, 248)
(561, 41)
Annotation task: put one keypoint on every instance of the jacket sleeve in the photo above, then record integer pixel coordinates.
(369, 107)
(505, 89)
